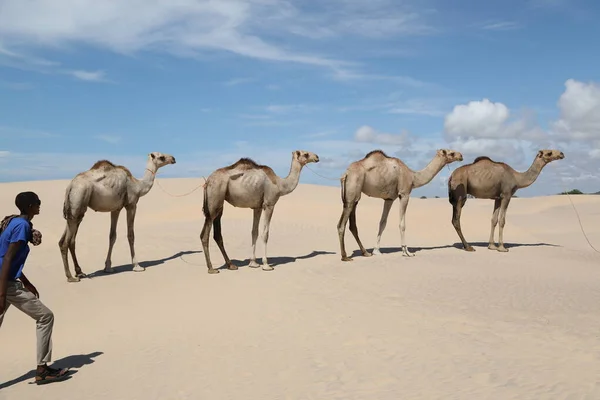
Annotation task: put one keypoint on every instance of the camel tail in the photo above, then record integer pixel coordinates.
(67, 203)
(205, 202)
(451, 197)
(343, 191)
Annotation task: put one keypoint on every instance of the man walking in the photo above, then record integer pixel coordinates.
(15, 289)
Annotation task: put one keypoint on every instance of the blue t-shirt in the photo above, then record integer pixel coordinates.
(18, 229)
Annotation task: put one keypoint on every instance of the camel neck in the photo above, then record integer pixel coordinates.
(527, 178)
(290, 182)
(424, 176)
(147, 181)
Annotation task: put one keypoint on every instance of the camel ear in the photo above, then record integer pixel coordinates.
(152, 155)
(540, 154)
(297, 152)
(444, 153)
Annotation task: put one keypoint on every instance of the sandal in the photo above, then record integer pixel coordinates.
(50, 374)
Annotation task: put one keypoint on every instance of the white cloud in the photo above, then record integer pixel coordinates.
(417, 107)
(28, 62)
(89, 76)
(500, 26)
(486, 128)
(238, 81)
(579, 111)
(109, 138)
(8, 131)
(367, 134)
(486, 119)
(189, 27)
(346, 74)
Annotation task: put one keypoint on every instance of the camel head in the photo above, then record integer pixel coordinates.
(304, 157)
(449, 155)
(160, 159)
(550, 155)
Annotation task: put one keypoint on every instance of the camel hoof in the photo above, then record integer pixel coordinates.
(72, 279)
(376, 252)
(492, 247)
(232, 267)
(253, 264)
(267, 268)
(109, 270)
(137, 268)
(408, 254)
(469, 248)
(347, 259)
(213, 271)
(502, 249)
(367, 254)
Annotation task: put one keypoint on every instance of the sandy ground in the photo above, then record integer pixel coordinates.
(445, 324)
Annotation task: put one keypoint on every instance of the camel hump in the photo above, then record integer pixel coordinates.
(376, 152)
(248, 163)
(103, 164)
(107, 165)
(245, 163)
(481, 158)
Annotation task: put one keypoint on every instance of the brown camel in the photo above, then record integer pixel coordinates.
(247, 184)
(378, 175)
(487, 179)
(106, 187)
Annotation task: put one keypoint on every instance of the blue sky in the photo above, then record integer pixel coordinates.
(210, 82)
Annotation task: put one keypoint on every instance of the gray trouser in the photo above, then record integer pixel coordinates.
(24, 300)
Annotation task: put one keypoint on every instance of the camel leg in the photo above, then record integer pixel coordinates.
(456, 211)
(342, 229)
(387, 206)
(354, 230)
(78, 272)
(112, 238)
(217, 235)
(492, 245)
(68, 237)
(204, 237)
(502, 222)
(266, 222)
(131, 237)
(255, 221)
(403, 206)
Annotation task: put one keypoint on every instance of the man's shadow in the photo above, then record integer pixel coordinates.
(77, 361)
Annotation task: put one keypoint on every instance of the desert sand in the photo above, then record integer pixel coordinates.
(445, 324)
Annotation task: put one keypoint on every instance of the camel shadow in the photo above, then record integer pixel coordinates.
(76, 361)
(278, 261)
(457, 245)
(145, 264)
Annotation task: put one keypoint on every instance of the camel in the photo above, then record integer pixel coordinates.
(246, 184)
(106, 187)
(488, 179)
(381, 176)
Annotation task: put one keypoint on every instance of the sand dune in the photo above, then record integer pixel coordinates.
(445, 324)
